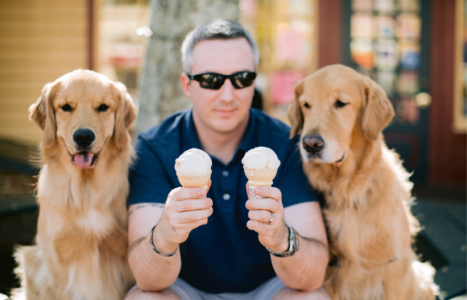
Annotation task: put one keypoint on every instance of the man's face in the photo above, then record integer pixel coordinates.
(225, 109)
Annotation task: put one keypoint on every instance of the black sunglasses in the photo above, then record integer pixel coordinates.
(214, 81)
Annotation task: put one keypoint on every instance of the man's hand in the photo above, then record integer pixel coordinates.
(272, 235)
(184, 211)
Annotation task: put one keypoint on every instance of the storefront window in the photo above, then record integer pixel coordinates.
(285, 31)
(385, 44)
(122, 41)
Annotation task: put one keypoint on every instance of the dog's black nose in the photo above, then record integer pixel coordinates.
(313, 143)
(84, 137)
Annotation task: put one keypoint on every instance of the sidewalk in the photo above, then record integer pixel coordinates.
(444, 225)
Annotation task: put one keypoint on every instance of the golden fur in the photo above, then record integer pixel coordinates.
(81, 242)
(367, 193)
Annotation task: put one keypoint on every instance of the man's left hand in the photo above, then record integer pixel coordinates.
(273, 235)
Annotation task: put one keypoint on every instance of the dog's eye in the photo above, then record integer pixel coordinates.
(66, 108)
(340, 103)
(306, 105)
(102, 108)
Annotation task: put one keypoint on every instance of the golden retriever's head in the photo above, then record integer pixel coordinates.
(334, 106)
(81, 112)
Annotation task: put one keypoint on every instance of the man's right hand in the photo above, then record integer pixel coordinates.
(184, 211)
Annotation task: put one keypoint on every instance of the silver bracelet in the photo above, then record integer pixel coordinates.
(155, 249)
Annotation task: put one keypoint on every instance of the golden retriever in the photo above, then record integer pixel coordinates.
(340, 115)
(81, 241)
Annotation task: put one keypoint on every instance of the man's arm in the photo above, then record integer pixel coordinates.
(183, 212)
(304, 270)
(313, 255)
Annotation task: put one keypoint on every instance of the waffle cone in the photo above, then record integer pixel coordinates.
(260, 178)
(195, 181)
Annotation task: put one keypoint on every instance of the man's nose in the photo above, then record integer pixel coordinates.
(227, 90)
(313, 143)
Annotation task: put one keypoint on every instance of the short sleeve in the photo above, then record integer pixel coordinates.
(293, 183)
(149, 180)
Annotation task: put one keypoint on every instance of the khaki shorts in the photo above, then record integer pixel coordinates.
(264, 292)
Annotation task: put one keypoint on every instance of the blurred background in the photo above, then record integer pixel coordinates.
(415, 49)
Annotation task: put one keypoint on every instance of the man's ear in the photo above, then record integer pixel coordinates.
(42, 112)
(294, 113)
(185, 84)
(377, 110)
(124, 117)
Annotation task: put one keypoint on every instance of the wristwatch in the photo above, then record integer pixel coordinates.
(293, 244)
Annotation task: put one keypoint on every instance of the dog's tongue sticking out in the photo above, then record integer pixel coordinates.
(83, 159)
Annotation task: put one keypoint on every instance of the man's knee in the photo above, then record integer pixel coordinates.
(137, 294)
(288, 293)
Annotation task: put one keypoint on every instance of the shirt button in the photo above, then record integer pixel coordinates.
(226, 197)
(225, 173)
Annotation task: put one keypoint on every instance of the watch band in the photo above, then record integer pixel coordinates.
(293, 244)
(151, 242)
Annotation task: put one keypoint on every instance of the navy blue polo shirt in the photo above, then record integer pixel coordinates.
(224, 255)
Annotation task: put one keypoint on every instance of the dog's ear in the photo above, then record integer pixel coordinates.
(377, 110)
(294, 113)
(124, 117)
(42, 112)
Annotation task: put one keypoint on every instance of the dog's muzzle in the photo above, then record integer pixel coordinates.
(313, 144)
(83, 138)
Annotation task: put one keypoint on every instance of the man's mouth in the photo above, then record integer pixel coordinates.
(225, 112)
(85, 159)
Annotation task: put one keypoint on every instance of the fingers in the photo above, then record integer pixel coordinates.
(191, 204)
(269, 192)
(273, 233)
(185, 210)
(260, 227)
(264, 204)
(187, 193)
(262, 216)
(273, 236)
(194, 216)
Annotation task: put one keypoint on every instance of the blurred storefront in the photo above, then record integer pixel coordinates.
(389, 41)
(413, 48)
(285, 31)
(121, 41)
(39, 41)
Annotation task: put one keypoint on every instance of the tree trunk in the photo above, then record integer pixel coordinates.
(161, 90)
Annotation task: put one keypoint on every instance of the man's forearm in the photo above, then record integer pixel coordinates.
(304, 270)
(153, 272)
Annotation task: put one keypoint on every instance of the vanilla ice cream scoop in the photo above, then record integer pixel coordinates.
(261, 158)
(260, 165)
(193, 163)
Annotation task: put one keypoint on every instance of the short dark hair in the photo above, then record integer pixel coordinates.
(215, 29)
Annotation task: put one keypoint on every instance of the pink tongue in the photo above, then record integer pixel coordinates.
(83, 160)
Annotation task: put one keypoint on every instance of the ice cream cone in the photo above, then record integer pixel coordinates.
(260, 165)
(195, 181)
(261, 177)
(258, 178)
(193, 168)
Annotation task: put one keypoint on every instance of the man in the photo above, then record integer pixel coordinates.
(186, 246)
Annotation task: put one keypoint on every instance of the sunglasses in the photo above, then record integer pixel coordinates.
(214, 81)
